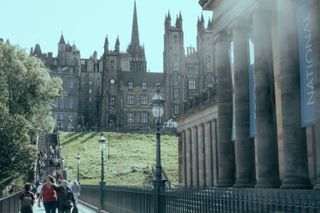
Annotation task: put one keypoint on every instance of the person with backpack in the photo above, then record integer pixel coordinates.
(26, 199)
(65, 198)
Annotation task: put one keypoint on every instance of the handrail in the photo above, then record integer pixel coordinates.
(5, 180)
(185, 200)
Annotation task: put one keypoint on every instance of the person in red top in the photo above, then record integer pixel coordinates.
(26, 199)
(49, 195)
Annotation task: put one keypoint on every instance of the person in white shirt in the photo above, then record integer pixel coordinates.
(38, 193)
(75, 187)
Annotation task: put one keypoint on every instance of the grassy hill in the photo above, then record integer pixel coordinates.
(131, 157)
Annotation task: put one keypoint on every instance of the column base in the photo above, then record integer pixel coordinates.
(225, 183)
(296, 183)
(244, 183)
(268, 183)
(317, 184)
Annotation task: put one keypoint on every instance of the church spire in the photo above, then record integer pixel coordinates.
(62, 40)
(138, 60)
(135, 30)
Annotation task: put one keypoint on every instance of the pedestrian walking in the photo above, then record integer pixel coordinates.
(26, 199)
(76, 189)
(49, 195)
(38, 194)
(65, 198)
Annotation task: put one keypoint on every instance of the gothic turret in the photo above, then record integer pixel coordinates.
(106, 45)
(210, 24)
(167, 21)
(74, 46)
(37, 50)
(200, 24)
(95, 56)
(62, 51)
(179, 21)
(117, 45)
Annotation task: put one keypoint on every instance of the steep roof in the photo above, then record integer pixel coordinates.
(139, 77)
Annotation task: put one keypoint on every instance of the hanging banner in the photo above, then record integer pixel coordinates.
(252, 95)
(305, 59)
(252, 102)
(233, 131)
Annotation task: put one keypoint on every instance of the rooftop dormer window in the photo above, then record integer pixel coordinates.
(144, 85)
(130, 85)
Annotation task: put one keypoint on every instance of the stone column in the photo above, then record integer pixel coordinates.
(214, 141)
(315, 43)
(195, 158)
(294, 137)
(201, 154)
(208, 154)
(266, 136)
(224, 104)
(244, 147)
(182, 158)
(188, 159)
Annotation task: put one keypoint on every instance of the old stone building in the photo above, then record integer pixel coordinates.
(114, 91)
(186, 74)
(259, 125)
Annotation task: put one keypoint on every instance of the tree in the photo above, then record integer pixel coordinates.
(27, 93)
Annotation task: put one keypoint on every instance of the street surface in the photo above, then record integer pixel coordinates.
(81, 208)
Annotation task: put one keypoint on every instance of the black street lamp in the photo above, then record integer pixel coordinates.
(157, 111)
(108, 147)
(78, 164)
(62, 166)
(102, 144)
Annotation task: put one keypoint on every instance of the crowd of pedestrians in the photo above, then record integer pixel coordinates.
(54, 194)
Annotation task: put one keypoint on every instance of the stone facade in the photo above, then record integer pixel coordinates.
(113, 92)
(215, 138)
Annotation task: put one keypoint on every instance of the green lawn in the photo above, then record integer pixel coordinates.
(131, 157)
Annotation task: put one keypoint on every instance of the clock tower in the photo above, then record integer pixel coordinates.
(110, 110)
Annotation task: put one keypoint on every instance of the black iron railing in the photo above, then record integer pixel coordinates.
(118, 199)
(10, 203)
(242, 200)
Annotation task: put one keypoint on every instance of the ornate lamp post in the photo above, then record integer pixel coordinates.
(62, 167)
(102, 144)
(157, 111)
(78, 164)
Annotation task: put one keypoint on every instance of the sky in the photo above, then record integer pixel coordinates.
(87, 22)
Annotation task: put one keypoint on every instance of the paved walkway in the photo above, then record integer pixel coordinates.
(81, 208)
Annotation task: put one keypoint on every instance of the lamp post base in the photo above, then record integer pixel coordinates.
(101, 183)
(159, 200)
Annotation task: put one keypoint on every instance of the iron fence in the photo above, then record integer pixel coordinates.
(10, 203)
(120, 199)
(235, 200)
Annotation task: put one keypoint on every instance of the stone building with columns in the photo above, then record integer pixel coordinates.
(259, 125)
